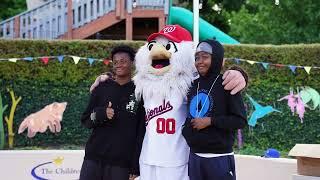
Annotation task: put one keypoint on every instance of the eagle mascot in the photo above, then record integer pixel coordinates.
(164, 72)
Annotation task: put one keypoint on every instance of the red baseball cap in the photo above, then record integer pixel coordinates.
(175, 33)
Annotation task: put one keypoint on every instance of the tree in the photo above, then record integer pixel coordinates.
(213, 11)
(264, 22)
(11, 8)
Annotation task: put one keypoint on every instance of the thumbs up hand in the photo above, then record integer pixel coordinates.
(109, 111)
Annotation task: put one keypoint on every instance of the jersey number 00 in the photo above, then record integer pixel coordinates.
(166, 126)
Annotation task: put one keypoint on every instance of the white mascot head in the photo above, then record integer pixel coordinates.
(165, 63)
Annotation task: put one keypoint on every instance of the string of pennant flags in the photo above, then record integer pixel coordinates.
(60, 58)
(76, 59)
(266, 65)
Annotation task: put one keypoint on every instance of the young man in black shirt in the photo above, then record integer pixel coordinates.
(117, 123)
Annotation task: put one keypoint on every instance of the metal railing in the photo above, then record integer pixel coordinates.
(49, 21)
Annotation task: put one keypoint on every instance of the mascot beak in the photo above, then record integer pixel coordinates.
(159, 52)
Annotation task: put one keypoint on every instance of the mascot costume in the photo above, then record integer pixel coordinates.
(164, 72)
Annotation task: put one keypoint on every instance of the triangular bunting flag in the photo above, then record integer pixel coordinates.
(28, 58)
(106, 61)
(237, 60)
(293, 68)
(251, 62)
(60, 58)
(13, 59)
(279, 65)
(90, 60)
(265, 65)
(76, 59)
(45, 60)
(307, 68)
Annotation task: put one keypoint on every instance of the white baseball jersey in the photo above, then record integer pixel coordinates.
(163, 144)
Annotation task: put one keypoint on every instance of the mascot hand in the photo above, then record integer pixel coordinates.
(233, 80)
(101, 78)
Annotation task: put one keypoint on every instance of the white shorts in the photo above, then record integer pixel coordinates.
(148, 172)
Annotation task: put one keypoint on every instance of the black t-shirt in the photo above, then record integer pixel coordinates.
(116, 141)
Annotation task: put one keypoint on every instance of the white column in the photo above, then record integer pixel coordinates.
(1, 29)
(27, 26)
(30, 29)
(81, 12)
(30, 26)
(129, 6)
(5, 30)
(37, 16)
(8, 29)
(58, 17)
(106, 6)
(33, 24)
(104, 2)
(166, 7)
(101, 8)
(56, 23)
(45, 24)
(196, 22)
(50, 19)
(21, 26)
(11, 29)
(63, 24)
(113, 4)
(88, 19)
(94, 9)
(75, 8)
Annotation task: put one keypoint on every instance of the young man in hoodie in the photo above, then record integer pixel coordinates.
(117, 123)
(214, 116)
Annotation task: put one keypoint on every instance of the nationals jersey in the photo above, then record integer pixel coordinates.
(163, 144)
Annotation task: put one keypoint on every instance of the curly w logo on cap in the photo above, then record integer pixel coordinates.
(174, 33)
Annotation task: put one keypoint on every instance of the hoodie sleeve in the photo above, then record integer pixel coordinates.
(140, 135)
(236, 118)
(244, 73)
(94, 115)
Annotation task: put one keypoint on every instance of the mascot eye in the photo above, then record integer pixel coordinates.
(171, 47)
(168, 46)
(150, 45)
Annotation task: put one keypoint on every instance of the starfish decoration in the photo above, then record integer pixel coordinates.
(300, 109)
(291, 101)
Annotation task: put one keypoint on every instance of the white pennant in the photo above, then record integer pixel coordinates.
(76, 59)
(251, 62)
(13, 59)
(307, 68)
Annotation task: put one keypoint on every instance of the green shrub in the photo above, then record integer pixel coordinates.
(40, 84)
(279, 130)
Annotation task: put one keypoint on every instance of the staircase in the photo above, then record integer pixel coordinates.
(88, 19)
